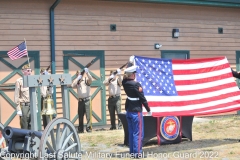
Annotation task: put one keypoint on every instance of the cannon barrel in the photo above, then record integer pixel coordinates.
(16, 133)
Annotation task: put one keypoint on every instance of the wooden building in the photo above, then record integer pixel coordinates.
(69, 33)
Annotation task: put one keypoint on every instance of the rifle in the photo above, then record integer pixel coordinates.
(87, 66)
(46, 69)
(115, 72)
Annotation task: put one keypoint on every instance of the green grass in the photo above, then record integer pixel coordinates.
(217, 138)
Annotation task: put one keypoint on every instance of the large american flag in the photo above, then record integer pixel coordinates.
(188, 87)
(18, 51)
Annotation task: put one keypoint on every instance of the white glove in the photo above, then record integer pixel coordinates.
(112, 76)
(45, 72)
(79, 77)
(86, 70)
(118, 71)
(131, 59)
(50, 90)
(19, 113)
(149, 113)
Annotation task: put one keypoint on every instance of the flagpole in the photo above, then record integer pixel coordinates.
(27, 51)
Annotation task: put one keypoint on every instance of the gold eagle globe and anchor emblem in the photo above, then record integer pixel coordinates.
(170, 127)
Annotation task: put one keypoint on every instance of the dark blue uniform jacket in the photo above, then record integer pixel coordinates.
(133, 89)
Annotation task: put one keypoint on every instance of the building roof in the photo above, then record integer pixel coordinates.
(216, 3)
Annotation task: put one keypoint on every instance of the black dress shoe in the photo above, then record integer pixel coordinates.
(113, 128)
(80, 131)
(119, 127)
(89, 130)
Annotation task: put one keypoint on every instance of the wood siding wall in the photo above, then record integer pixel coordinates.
(85, 25)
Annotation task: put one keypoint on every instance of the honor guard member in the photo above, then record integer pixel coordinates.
(114, 83)
(133, 106)
(84, 100)
(21, 98)
(45, 90)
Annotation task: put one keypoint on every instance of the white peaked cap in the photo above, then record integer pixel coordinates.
(131, 69)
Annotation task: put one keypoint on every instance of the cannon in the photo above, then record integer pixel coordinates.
(16, 133)
(59, 140)
(21, 140)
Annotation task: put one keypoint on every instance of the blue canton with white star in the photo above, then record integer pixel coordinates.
(155, 76)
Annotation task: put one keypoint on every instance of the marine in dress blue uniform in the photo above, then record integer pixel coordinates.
(133, 106)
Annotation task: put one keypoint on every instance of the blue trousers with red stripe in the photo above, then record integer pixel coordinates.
(135, 132)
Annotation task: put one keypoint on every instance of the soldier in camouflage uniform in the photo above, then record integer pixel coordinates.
(21, 98)
(84, 100)
(45, 90)
(114, 83)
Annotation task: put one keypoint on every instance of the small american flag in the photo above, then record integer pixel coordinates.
(188, 87)
(18, 51)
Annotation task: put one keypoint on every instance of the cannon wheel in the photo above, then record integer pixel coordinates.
(60, 140)
(4, 144)
(2, 139)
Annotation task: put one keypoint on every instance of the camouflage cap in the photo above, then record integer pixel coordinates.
(26, 66)
(111, 72)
